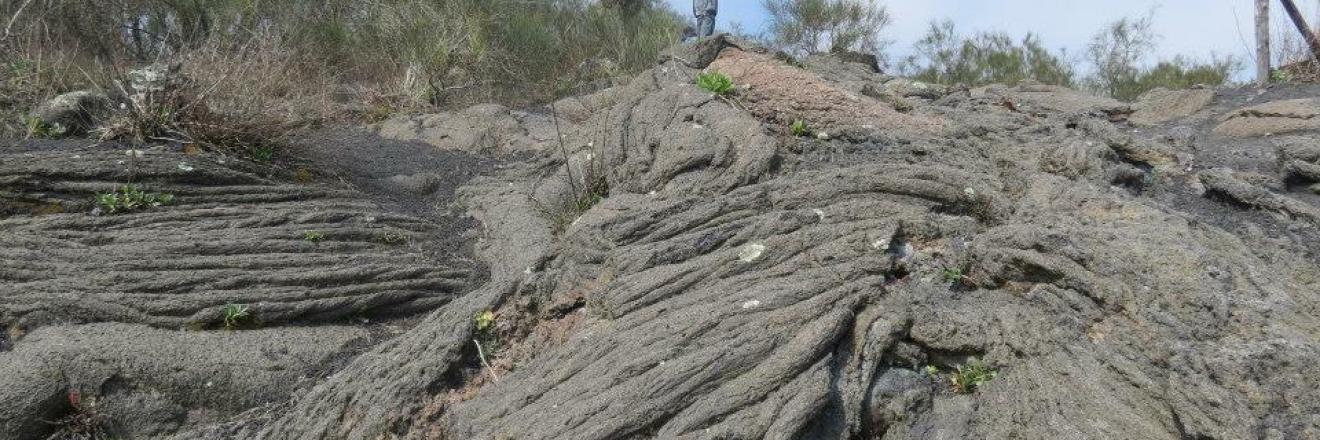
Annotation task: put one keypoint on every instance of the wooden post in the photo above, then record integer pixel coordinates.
(1302, 27)
(1262, 42)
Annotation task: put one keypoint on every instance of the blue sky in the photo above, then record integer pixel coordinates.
(1196, 28)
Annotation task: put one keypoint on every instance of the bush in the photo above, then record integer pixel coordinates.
(804, 27)
(294, 61)
(944, 57)
(1116, 55)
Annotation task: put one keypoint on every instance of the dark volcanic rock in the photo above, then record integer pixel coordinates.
(738, 282)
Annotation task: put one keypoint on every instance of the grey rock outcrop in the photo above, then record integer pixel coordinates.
(73, 113)
(734, 281)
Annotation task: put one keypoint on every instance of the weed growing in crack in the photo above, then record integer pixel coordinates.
(586, 192)
(484, 321)
(130, 198)
(799, 128)
(236, 316)
(965, 379)
(715, 82)
(313, 236)
(486, 336)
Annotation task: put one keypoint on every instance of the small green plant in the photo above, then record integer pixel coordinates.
(485, 321)
(952, 274)
(313, 236)
(130, 198)
(262, 153)
(967, 378)
(235, 316)
(799, 128)
(932, 371)
(1280, 76)
(37, 128)
(715, 82)
(596, 191)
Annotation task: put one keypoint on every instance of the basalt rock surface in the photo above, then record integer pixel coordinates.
(683, 266)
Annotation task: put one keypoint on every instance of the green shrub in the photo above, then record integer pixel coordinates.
(804, 27)
(1117, 54)
(715, 82)
(944, 57)
(129, 198)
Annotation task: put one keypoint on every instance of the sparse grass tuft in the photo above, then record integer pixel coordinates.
(236, 316)
(967, 378)
(799, 128)
(715, 82)
(586, 193)
(129, 198)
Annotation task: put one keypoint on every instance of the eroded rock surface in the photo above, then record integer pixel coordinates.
(1161, 105)
(714, 276)
(1276, 117)
(248, 284)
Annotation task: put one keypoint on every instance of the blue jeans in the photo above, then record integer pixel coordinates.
(705, 25)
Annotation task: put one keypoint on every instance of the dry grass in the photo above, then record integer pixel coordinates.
(264, 67)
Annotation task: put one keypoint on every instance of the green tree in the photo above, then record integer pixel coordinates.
(1117, 53)
(943, 56)
(804, 27)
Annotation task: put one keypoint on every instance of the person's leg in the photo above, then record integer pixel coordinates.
(706, 25)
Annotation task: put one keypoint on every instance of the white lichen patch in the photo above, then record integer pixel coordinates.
(751, 252)
(751, 304)
(819, 213)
